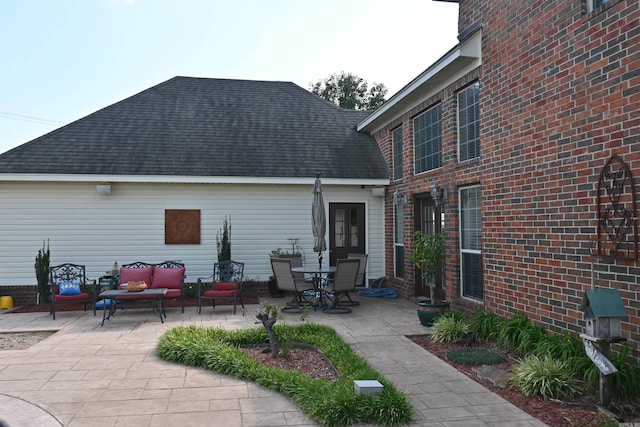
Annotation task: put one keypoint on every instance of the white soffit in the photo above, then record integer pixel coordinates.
(459, 61)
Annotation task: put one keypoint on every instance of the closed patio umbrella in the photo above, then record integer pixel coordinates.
(318, 220)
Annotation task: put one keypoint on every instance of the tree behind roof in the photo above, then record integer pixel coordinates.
(349, 91)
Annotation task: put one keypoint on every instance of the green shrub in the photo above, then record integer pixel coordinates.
(449, 328)
(191, 290)
(544, 376)
(329, 403)
(518, 333)
(626, 383)
(474, 356)
(485, 325)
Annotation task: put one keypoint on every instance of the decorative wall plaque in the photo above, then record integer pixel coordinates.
(182, 226)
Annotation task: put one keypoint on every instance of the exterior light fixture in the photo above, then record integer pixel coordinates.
(398, 198)
(377, 191)
(439, 195)
(103, 188)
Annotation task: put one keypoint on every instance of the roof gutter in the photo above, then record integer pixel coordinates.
(163, 179)
(460, 60)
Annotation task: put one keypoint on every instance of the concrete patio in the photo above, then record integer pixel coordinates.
(86, 375)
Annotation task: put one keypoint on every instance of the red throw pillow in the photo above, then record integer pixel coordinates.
(168, 277)
(136, 275)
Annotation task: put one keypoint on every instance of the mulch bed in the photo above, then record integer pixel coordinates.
(189, 302)
(580, 412)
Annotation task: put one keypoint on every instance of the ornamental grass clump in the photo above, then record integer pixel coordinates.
(544, 376)
(330, 403)
(450, 328)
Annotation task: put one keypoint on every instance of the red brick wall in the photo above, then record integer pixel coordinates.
(560, 94)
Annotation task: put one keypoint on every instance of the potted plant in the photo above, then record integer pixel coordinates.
(42, 273)
(428, 253)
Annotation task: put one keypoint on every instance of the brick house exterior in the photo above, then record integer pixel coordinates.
(558, 95)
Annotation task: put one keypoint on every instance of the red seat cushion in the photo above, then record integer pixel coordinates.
(136, 275)
(218, 294)
(226, 286)
(79, 297)
(222, 290)
(171, 278)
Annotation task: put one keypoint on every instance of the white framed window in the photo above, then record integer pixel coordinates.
(398, 233)
(398, 157)
(594, 4)
(427, 140)
(469, 122)
(472, 285)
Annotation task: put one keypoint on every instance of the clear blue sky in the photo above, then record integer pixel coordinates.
(61, 60)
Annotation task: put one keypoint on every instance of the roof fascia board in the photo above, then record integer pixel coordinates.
(158, 179)
(459, 61)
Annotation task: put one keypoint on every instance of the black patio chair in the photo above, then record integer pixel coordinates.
(224, 284)
(68, 284)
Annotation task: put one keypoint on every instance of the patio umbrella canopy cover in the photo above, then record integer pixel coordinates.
(318, 220)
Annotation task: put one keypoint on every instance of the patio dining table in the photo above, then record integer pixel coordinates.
(318, 274)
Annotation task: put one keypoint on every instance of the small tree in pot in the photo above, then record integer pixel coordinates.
(223, 244)
(42, 273)
(428, 253)
(223, 241)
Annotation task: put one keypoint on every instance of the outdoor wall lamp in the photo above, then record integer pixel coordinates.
(103, 188)
(377, 191)
(398, 198)
(439, 195)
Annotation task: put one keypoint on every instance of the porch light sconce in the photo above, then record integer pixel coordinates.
(439, 195)
(399, 199)
(377, 191)
(103, 188)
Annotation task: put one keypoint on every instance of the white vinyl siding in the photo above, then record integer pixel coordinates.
(84, 227)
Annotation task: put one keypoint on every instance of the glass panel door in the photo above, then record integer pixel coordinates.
(429, 219)
(346, 230)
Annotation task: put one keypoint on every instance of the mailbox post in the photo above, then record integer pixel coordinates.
(603, 310)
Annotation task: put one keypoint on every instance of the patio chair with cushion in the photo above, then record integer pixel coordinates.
(224, 284)
(343, 282)
(68, 284)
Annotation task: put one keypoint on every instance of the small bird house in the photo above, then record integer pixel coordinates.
(603, 310)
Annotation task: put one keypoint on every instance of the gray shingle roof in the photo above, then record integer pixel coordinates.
(209, 127)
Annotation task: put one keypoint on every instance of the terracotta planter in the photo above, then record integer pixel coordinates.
(428, 312)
